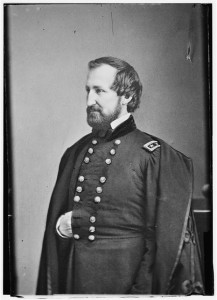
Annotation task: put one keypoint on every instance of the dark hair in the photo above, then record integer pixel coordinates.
(126, 81)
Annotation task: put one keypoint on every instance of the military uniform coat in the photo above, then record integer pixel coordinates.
(133, 230)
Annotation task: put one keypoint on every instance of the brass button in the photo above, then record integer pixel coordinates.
(90, 150)
(102, 179)
(117, 142)
(76, 236)
(97, 199)
(77, 198)
(81, 178)
(79, 189)
(99, 190)
(112, 151)
(91, 237)
(86, 160)
(108, 161)
(92, 219)
(92, 229)
(94, 142)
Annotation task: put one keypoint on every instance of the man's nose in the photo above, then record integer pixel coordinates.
(91, 98)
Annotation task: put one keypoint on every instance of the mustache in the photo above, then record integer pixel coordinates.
(93, 108)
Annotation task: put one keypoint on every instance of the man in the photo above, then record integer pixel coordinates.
(120, 219)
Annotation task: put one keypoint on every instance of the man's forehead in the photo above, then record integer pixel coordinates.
(102, 74)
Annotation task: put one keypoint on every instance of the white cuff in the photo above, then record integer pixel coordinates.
(57, 228)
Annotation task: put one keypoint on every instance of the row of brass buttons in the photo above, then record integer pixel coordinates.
(102, 179)
(91, 237)
(108, 160)
(92, 229)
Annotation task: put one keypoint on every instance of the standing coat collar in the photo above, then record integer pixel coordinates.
(122, 129)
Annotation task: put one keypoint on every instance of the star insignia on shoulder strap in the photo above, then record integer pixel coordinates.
(151, 146)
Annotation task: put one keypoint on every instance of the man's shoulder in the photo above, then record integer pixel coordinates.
(151, 143)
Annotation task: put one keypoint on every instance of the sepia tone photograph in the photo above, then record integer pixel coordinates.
(108, 149)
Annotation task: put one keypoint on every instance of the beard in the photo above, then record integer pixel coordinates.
(98, 120)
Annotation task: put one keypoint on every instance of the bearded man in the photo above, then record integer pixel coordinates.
(120, 220)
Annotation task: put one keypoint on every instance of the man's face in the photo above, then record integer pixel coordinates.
(103, 104)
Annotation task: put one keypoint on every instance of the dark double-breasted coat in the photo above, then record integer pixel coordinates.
(133, 230)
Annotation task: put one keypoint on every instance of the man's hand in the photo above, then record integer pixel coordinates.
(64, 226)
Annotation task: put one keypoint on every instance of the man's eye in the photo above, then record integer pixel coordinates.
(98, 91)
(87, 90)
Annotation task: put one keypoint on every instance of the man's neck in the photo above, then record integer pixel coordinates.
(119, 120)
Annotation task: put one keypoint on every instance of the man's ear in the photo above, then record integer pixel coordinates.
(125, 100)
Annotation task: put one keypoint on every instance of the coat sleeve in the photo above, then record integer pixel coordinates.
(144, 277)
(171, 262)
(177, 260)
